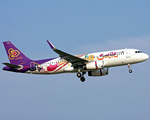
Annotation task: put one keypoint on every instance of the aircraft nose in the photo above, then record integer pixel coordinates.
(146, 56)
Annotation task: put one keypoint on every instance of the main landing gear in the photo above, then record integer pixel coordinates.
(129, 66)
(81, 76)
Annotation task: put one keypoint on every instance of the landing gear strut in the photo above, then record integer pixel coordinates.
(81, 76)
(129, 66)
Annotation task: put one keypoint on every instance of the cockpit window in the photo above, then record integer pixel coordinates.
(138, 51)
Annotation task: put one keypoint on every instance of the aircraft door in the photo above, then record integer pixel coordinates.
(128, 54)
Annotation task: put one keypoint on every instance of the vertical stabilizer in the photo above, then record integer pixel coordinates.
(15, 56)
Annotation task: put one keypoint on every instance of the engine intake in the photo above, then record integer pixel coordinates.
(100, 72)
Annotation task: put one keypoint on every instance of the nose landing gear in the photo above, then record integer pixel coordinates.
(81, 76)
(129, 66)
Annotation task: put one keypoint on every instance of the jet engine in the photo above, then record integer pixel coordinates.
(100, 72)
(95, 65)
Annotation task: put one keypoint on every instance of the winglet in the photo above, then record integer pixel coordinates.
(51, 45)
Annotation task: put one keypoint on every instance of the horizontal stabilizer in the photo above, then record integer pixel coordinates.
(12, 65)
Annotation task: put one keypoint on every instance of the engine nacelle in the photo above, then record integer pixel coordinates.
(95, 65)
(100, 72)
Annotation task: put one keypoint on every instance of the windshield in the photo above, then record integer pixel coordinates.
(138, 51)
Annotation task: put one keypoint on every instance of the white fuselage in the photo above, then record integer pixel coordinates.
(106, 59)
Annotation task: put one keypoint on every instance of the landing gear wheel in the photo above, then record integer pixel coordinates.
(79, 75)
(82, 79)
(130, 71)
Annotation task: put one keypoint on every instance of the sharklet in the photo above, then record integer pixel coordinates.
(51, 45)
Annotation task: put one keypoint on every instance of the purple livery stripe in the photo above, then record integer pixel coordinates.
(96, 65)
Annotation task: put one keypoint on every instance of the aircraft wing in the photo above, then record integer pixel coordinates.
(68, 57)
(12, 65)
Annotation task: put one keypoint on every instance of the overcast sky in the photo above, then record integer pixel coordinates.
(79, 26)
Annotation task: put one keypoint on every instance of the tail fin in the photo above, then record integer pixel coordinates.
(15, 56)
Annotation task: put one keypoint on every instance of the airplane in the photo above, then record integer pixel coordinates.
(95, 64)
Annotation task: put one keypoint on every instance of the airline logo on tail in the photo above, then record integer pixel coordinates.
(14, 54)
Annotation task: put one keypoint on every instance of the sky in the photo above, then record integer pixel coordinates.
(76, 27)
